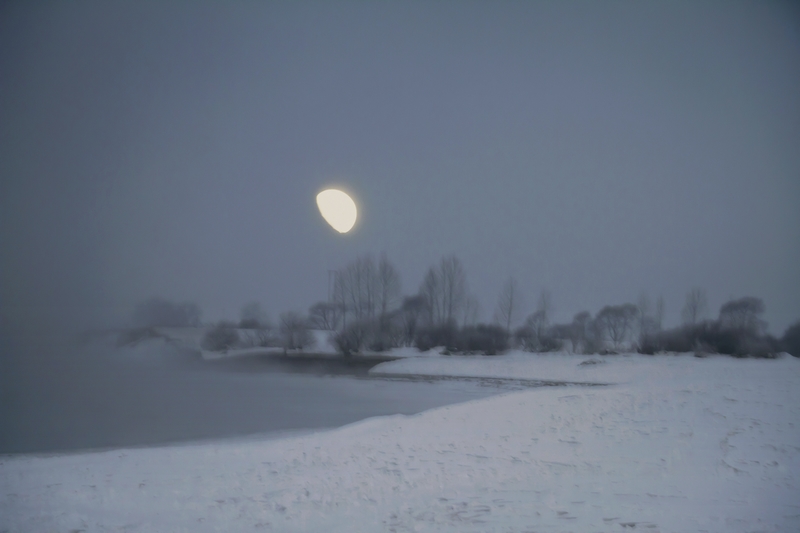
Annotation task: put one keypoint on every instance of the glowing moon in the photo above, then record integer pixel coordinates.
(338, 209)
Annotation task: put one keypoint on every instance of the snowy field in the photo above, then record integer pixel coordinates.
(677, 444)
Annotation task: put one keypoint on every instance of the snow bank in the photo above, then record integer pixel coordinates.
(681, 444)
(623, 368)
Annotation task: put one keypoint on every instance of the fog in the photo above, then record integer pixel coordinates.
(595, 151)
(90, 401)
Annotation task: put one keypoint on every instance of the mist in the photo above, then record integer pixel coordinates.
(175, 151)
(574, 265)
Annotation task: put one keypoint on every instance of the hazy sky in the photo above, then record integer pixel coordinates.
(596, 150)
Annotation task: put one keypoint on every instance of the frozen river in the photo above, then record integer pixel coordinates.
(68, 405)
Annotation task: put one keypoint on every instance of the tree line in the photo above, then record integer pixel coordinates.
(366, 310)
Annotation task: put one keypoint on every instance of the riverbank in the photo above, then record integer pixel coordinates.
(677, 443)
(302, 363)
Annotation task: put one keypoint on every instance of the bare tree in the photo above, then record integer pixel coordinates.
(646, 322)
(508, 303)
(412, 312)
(388, 286)
(454, 287)
(471, 310)
(431, 293)
(445, 291)
(616, 321)
(359, 286)
(364, 297)
(339, 297)
(743, 315)
(357, 290)
(643, 307)
(695, 307)
(580, 331)
(530, 335)
(545, 306)
(324, 315)
(294, 331)
(659, 315)
(369, 276)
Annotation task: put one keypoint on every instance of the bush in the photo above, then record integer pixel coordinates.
(711, 337)
(591, 345)
(550, 344)
(761, 347)
(267, 337)
(221, 337)
(380, 343)
(482, 338)
(526, 339)
(352, 338)
(442, 335)
(294, 332)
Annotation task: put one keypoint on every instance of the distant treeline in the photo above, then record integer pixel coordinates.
(365, 310)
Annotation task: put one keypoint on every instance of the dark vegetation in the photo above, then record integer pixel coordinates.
(739, 331)
(221, 337)
(365, 311)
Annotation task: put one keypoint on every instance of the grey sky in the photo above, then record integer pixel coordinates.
(595, 150)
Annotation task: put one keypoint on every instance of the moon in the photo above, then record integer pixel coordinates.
(338, 209)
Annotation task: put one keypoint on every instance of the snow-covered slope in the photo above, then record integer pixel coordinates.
(680, 444)
(622, 368)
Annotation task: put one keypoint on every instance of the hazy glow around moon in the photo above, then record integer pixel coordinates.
(338, 209)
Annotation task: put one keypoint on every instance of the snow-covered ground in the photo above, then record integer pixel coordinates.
(678, 444)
